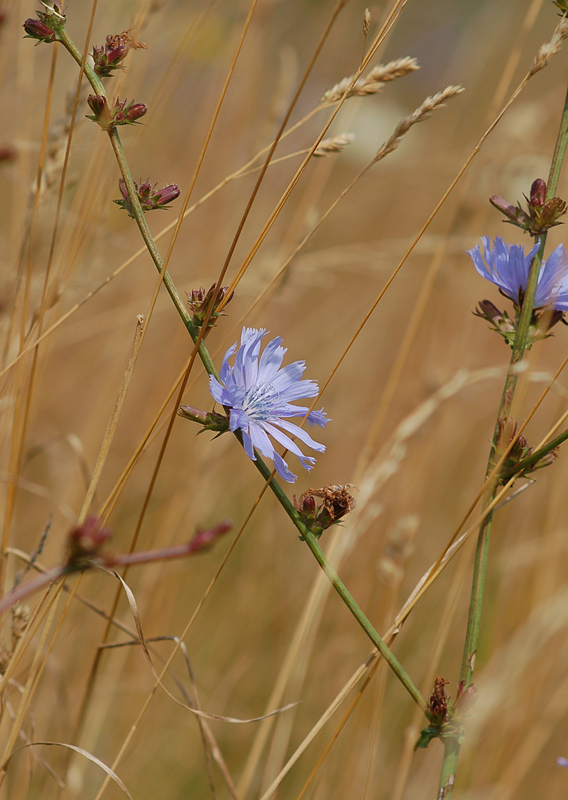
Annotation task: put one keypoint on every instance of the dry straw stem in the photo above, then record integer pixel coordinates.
(113, 422)
(419, 115)
(550, 48)
(371, 83)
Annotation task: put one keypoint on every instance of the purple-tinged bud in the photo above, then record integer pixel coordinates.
(134, 112)
(166, 195)
(211, 420)
(36, 29)
(538, 193)
(514, 214)
(101, 112)
(199, 301)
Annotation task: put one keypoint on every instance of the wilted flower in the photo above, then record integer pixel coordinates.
(259, 394)
(507, 266)
(109, 56)
(336, 503)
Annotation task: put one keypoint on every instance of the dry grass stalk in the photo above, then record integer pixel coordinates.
(550, 49)
(57, 144)
(366, 22)
(334, 145)
(373, 82)
(422, 112)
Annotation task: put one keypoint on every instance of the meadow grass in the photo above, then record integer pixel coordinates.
(341, 225)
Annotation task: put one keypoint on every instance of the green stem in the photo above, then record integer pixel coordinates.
(306, 534)
(482, 550)
(519, 347)
(449, 766)
(137, 211)
(339, 586)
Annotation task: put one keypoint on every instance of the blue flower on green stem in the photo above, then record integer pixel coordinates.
(259, 395)
(507, 266)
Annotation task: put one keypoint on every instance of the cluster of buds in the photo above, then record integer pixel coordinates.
(508, 430)
(542, 320)
(48, 25)
(210, 420)
(110, 56)
(336, 503)
(199, 301)
(149, 198)
(122, 113)
(542, 214)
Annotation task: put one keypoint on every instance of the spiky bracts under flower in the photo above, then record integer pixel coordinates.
(259, 393)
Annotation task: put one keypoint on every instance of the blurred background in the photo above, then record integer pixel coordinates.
(265, 636)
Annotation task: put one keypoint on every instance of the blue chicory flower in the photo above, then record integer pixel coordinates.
(259, 394)
(507, 266)
(562, 762)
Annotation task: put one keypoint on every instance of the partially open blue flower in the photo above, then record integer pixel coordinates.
(259, 394)
(507, 266)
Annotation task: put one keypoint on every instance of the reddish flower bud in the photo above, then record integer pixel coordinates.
(48, 24)
(36, 29)
(538, 193)
(134, 112)
(101, 112)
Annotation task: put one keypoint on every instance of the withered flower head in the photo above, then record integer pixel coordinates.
(336, 503)
(438, 705)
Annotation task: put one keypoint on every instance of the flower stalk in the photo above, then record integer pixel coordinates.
(521, 341)
(197, 335)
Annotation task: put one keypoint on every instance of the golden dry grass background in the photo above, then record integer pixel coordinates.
(239, 642)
